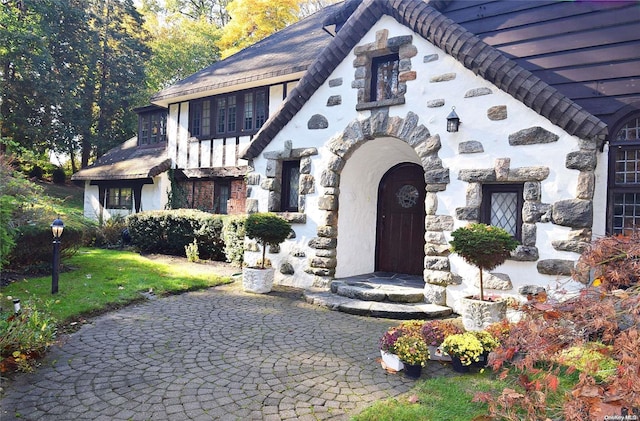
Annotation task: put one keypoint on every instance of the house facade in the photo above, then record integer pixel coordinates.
(343, 123)
(381, 179)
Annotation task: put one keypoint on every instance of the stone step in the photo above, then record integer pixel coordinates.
(375, 308)
(381, 286)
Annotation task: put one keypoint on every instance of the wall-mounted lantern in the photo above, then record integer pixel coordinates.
(453, 121)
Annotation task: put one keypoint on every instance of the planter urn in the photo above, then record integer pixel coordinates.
(477, 314)
(258, 281)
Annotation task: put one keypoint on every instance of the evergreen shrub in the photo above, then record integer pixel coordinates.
(170, 231)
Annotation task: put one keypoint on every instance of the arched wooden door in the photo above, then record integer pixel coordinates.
(400, 226)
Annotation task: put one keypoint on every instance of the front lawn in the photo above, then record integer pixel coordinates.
(95, 280)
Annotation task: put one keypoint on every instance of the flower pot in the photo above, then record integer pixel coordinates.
(391, 361)
(482, 362)
(436, 353)
(412, 371)
(477, 315)
(259, 281)
(458, 367)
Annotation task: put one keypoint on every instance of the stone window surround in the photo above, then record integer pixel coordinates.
(533, 210)
(273, 181)
(383, 45)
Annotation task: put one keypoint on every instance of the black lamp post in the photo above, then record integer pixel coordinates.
(56, 228)
(453, 121)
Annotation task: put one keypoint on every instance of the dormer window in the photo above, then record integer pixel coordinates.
(152, 127)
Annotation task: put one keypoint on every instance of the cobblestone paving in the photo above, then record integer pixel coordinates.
(219, 354)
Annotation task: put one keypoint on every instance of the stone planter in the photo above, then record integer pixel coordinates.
(391, 361)
(259, 281)
(477, 315)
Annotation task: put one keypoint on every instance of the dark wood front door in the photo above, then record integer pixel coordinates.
(400, 229)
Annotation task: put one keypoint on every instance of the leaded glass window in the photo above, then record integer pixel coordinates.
(624, 198)
(502, 207)
(290, 186)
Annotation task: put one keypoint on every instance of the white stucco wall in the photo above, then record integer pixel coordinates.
(365, 167)
(154, 197)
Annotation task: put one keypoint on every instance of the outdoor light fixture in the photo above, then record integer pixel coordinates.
(57, 226)
(16, 305)
(453, 121)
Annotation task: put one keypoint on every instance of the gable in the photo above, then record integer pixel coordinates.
(465, 47)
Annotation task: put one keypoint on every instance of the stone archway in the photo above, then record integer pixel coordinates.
(342, 146)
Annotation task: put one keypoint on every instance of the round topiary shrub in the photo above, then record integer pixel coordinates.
(483, 246)
(267, 229)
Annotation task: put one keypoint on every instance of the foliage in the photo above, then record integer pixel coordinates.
(192, 252)
(500, 330)
(483, 246)
(435, 331)
(179, 48)
(110, 233)
(58, 176)
(536, 349)
(74, 70)
(615, 261)
(24, 337)
(388, 340)
(233, 234)
(169, 232)
(267, 229)
(593, 358)
(27, 215)
(254, 20)
(465, 346)
(487, 340)
(412, 349)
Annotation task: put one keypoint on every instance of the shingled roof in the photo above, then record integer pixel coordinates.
(287, 52)
(127, 162)
(444, 33)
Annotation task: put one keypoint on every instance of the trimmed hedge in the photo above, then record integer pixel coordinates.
(233, 233)
(34, 241)
(169, 231)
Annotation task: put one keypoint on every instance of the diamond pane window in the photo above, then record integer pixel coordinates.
(504, 211)
(290, 186)
(502, 207)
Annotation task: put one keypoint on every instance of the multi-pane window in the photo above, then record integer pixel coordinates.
(384, 77)
(119, 198)
(290, 186)
(228, 115)
(152, 127)
(502, 207)
(624, 197)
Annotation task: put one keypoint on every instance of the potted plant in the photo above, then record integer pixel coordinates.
(434, 332)
(464, 348)
(267, 229)
(387, 347)
(488, 342)
(413, 352)
(485, 247)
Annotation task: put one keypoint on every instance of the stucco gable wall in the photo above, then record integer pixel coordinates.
(489, 116)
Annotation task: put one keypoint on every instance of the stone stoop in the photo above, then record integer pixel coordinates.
(384, 295)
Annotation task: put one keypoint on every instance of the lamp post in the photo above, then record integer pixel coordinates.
(56, 228)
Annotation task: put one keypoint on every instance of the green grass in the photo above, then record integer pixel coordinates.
(99, 280)
(437, 399)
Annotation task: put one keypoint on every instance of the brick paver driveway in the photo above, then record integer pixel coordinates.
(219, 354)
